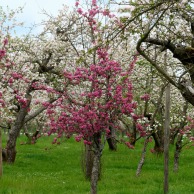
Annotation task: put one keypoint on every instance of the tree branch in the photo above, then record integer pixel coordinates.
(141, 52)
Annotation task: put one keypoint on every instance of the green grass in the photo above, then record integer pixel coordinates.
(44, 168)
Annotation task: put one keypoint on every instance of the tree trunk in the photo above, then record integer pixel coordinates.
(111, 140)
(133, 136)
(166, 140)
(158, 148)
(141, 163)
(13, 135)
(1, 163)
(87, 161)
(16, 127)
(96, 168)
(177, 153)
(95, 171)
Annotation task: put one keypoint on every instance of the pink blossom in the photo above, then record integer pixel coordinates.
(5, 41)
(139, 127)
(2, 53)
(2, 102)
(129, 145)
(92, 13)
(145, 97)
(54, 140)
(106, 12)
(50, 111)
(142, 133)
(45, 104)
(79, 10)
(78, 138)
(10, 81)
(94, 3)
(16, 75)
(87, 142)
(76, 3)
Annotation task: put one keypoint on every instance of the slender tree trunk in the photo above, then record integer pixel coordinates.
(158, 148)
(179, 139)
(177, 153)
(133, 137)
(87, 161)
(11, 143)
(111, 140)
(166, 140)
(142, 160)
(96, 168)
(95, 171)
(1, 163)
(15, 130)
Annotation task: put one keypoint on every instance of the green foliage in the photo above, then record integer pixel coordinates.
(44, 168)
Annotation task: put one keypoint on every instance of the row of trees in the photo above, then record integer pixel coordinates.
(82, 75)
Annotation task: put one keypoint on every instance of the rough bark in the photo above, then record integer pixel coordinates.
(166, 140)
(179, 144)
(177, 153)
(32, 138)
(96, 163)
(184, 54)
(111, 140)
(95, 171)
(87, 161)
(133, 137)
(173, 135)
(15, 129)
(158, 147)
(14, 132)
(143, 155)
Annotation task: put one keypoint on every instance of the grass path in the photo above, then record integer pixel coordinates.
(44, 168)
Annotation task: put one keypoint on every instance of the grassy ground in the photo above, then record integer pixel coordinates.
(44, 168)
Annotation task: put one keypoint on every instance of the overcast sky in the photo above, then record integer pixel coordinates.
(33, 9)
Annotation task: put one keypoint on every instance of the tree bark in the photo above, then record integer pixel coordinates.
(96, 168)
(177, 153)
(16, 127)
(95, 171)
(111, 140)
(87, 162)
(158, 147)
(133, 136)
(14, 132)
(179, 144)
(166, 140)
(142, 160)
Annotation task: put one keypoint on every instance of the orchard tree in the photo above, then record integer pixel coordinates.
(99, 89)
(26, 87)
(165, 25)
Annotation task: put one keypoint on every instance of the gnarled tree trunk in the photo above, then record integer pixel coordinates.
(177, 152)
(111, 140)
(95, 171)
(158, 147)
(13, 134)
(97, 148)
(16, 127)
(87, 161)
(179, 143)
(142, 160)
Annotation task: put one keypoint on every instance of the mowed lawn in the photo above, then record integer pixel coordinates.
(44, 168)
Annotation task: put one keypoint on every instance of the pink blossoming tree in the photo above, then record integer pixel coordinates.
(99, 90)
